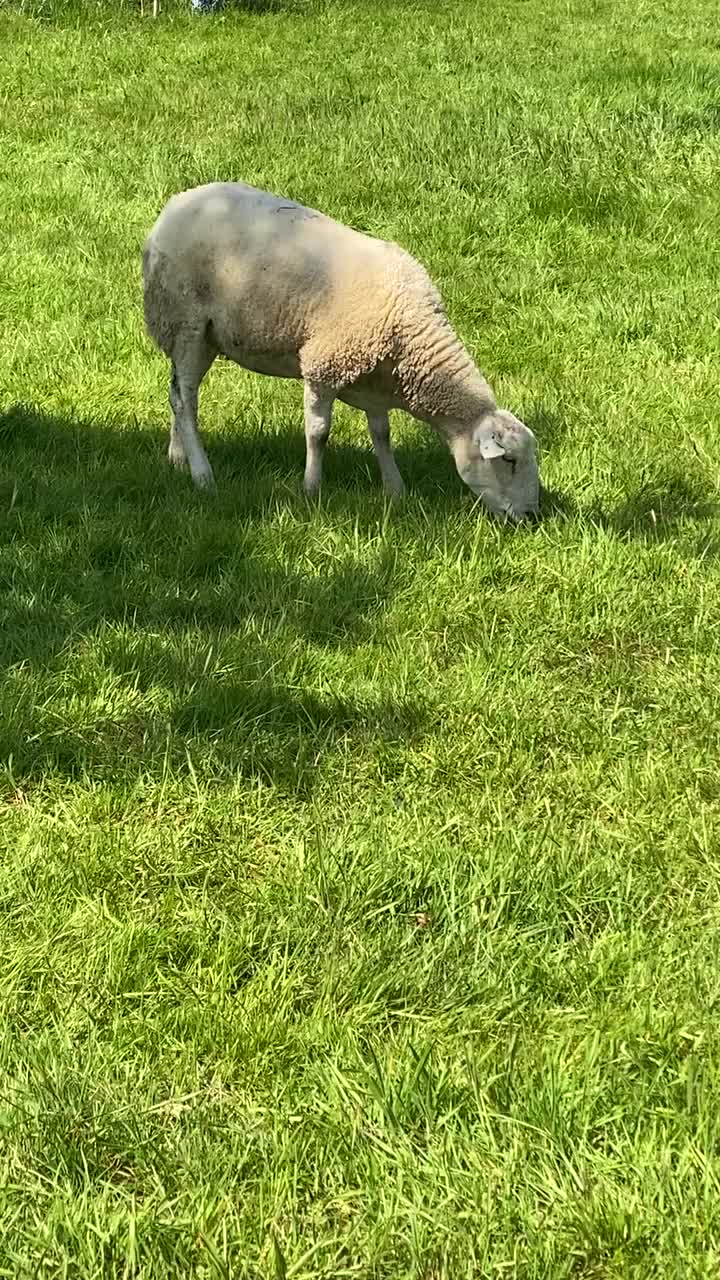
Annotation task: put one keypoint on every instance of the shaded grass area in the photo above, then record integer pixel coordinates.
(359, 866)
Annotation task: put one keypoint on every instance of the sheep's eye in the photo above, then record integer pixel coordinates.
(511, 462)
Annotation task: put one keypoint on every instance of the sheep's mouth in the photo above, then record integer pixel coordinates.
(509, 514)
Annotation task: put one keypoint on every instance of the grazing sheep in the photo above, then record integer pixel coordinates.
(286, 291)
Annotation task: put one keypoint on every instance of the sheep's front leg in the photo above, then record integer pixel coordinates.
(379, 425)
(191, 362)
(318, 411)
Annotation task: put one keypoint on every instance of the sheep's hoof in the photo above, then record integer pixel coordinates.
(176, 456)
(204, 481)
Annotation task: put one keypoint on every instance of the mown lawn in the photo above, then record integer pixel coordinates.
(359, 868)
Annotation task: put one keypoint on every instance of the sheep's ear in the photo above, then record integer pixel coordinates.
(489, 445)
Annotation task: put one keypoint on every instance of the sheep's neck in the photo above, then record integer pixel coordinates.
(445, 388)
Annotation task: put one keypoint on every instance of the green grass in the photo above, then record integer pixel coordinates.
(359, 868)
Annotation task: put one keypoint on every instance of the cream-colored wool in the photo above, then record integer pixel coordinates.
(286, 291)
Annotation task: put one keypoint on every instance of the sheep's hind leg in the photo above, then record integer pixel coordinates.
(190, 363)
(318, 403)
(379, 426)
(176, 449)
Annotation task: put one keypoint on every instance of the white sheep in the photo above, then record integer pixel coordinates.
(287, 291)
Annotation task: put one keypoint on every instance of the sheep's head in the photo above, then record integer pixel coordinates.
(497, 459)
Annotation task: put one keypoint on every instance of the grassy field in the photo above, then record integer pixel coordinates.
(359, 868)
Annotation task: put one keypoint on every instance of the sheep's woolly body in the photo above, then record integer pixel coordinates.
(287, 291)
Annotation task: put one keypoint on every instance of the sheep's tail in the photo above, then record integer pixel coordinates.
(158, 304)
